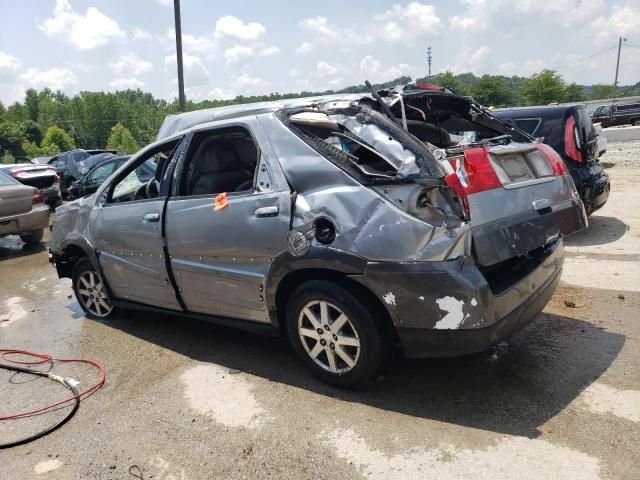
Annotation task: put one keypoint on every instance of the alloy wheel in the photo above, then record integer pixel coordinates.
(328, 336)
(92, 294)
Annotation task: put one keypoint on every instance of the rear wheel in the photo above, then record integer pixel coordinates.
(91, 291)
(636, 122)
(336, 336)
(32, 237)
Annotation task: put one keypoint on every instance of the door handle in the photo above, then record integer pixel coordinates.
(151, 217)
(542, 206)
(266, 211)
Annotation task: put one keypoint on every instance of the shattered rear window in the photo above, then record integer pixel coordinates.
(364, 143)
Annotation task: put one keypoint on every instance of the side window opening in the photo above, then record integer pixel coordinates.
(141, 180)
(220, 161)
(365, 146)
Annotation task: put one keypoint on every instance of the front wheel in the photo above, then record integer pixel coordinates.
(336, 336)
(32, 237)
(91, 291)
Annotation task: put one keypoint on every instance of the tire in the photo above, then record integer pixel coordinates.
(66, 195)
(91, 291)
(315, 349)
(32, 237)
(635, 123)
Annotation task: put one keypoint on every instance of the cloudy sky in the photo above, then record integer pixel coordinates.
(262, 46)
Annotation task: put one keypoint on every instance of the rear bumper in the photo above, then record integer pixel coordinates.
(449, 308)
(51, 194)
(36, 219)
(593, 184)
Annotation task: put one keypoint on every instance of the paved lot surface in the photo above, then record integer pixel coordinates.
(188, 400)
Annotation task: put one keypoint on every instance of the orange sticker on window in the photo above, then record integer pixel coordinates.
(220, 202)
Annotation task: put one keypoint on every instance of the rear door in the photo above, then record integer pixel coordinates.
(223, 227)
(127, 228)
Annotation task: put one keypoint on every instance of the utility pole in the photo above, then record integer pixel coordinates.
(176, 11)
(615, 82)
(429, 63)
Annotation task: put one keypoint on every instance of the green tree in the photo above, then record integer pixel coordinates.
(600, 92)
(448, 79)
(492, 90)
(32, 103)
(544, 88)
(11, 137)
(32, 132)
(56, 140)
(121, 140)
(573, 93)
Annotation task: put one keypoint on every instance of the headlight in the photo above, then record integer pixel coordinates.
(82, 168)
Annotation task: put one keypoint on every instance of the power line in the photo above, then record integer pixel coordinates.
(576, 62)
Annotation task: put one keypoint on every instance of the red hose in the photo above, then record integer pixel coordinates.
(44, 358)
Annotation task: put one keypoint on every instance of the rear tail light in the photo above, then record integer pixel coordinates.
(572, 142)
(38, 197)
(477, 172)
(558, 165)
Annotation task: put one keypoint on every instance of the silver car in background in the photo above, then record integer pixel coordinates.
(328, 221)
(22, 210)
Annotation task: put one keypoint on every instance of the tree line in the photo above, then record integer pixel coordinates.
(49, 122)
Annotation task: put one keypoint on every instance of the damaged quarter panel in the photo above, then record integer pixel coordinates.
(365, 223)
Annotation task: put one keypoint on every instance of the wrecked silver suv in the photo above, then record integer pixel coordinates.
(332, 221)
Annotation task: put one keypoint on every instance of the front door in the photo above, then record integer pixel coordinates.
(128, 229)
(228, 221)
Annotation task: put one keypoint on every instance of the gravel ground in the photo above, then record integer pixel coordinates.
(188, 400)
(622, 153)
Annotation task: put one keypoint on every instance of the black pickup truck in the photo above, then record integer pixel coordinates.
(616, 114)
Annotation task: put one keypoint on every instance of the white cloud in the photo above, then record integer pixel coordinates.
(222, 94)
(624, 20)
(10, 90)
(245, 53)
(481, 15)
(54, 78)
(371, 69)
(409, 23)
(464, 23)
(324, 34)
(238, 53)
(250, 84)
(165, 3)
(131, 64)
(190, 43)
(84, 32)
(9, 66)
(269, 51)
(304, 48)
(320, 26)
(325, 69)
(125, 83)
(140, 34)
(476, 61)
(195, 73)
(233, 27)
